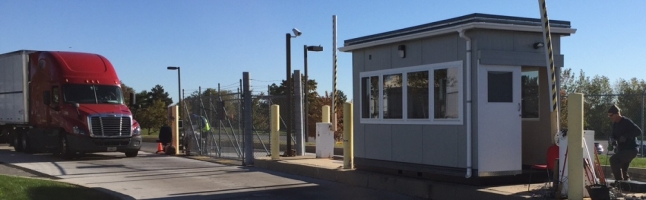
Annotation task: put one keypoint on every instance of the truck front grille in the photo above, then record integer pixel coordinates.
(110, 126)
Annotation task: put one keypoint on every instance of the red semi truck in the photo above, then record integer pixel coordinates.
(68, 103)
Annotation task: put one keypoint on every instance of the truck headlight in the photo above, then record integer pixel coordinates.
(136, 131)
(77, 130)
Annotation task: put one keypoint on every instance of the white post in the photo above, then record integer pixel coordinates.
(575, 146)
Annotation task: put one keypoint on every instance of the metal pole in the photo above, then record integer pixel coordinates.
(641, 143)
(248, 135)
(306, 94)
(288, 94)
(298, 111)
(220, 121)
(179, 91)
(334, 73)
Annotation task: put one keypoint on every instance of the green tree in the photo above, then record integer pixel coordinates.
(158, 92)
(141, 102)
(207, 103)
(154, 116)
(596, 105)
(278, 97)
(630, 100)
(327, 100)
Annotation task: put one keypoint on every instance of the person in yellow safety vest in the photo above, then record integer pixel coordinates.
(203, 122)
(205, 125)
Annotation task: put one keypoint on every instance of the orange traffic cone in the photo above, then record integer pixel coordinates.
(160, 148)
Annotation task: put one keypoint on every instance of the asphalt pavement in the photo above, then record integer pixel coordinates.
(153, 176)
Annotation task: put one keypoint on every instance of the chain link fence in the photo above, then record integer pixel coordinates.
(214, 125)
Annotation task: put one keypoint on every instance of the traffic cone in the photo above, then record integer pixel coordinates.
(160, 148)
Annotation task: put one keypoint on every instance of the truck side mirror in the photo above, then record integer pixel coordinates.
(47, 99)
(133, 99)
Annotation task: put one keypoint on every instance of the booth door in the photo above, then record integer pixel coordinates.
(499, 120)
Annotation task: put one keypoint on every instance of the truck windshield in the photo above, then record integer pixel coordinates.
(97, 94)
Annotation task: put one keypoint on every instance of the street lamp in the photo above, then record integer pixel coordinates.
(179, 90)
(305, 50)
(288, 93)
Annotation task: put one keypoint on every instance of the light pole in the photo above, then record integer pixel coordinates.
(179, 86)
(288, 93)
(305, 50)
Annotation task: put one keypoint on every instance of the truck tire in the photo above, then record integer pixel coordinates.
(26, 145)
(17, 142)
(4, 136)
(63, 148)
(131, 154)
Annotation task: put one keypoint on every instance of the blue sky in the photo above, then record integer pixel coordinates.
(216, 41)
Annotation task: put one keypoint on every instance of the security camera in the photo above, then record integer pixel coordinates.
(296, 32)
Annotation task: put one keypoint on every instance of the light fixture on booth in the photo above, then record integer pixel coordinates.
(538, 45)
(402, 51)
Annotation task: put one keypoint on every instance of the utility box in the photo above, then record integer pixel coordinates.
(324, 140)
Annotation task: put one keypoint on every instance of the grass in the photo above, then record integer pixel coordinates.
(638, 162)
(19, 188)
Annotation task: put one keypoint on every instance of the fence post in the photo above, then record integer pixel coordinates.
(248, 135)
(298, 113)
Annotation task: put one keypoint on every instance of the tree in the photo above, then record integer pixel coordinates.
(630, 100)
(154, 116)
(596, 105)
(278, 97)
(158, 92)
(141, 100)
(207, 104)
(327, 100)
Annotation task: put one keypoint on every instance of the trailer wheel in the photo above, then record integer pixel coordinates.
(64, 149)
(130, 154)
(17, 142)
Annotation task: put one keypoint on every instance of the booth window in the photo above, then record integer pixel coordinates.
(503, 82)
(530, 92)
(392, 96)
(446, 91)
(408, 95)
(417, 95)
(370, 97)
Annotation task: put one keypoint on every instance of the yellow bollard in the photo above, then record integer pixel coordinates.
(174, 125)
(326, 114)
(348, 136)
(274, 128)
(575, 146)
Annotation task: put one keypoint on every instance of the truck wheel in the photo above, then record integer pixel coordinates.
(130, 154)
(4, 136)
(17, 142)
(26, 145)
(64, 149)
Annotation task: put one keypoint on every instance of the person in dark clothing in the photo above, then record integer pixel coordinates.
(624, 132)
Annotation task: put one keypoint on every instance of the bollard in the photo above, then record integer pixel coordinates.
(348, 136)
(274, 128)
(325, 115)
(575, 146)
(174, 124)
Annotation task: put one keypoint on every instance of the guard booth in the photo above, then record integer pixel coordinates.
(459, 99)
